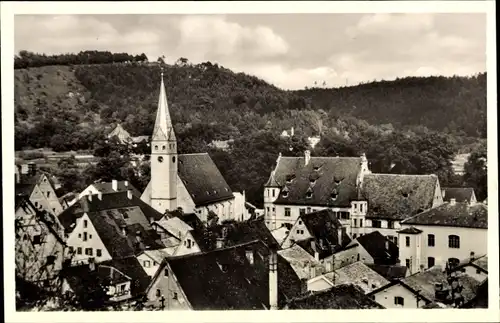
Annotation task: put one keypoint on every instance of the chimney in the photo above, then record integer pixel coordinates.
(114, 184)
(452, 201)
(312, 270)
(99, 195)
(273, 280)
(303, 286)
(129, 194)
(316, 253)
(307, 156)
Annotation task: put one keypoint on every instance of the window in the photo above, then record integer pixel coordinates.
(407, 241)
(360, 223)
(48, 194)
(79, 235)
(356, 206)
(53, 209)
(273, 192)
(158, 293)
(355, 223)
(453, 262)
(163, 147)
(478, 271)
(88, 251)
(300, 231)
(98, 252)
(454, 241)
(90, 236)
(390, 224)
(166, 272)
(274, 209)
(71, 250)
(302, 211)
(309, 195)
(300, 222)
(155, 263)
(85, 223)
(430, 262)
(407, 263)
(160, 159)
(79, 250)
(174, 295)
(147, 263)
(308, 210)
(188, 243)
(122, 288)
(173, 159)
(288, 211)
(37, 239)
(36, 204)
(156, 147)
(398, 300)
(50, 260)
(85, 236)
(354, 235)
(431, 240)
(268, 209)
(361, 208)
(376, 224)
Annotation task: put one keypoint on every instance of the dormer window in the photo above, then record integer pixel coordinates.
(290, 178)
(285, 194)
(334, 194)
(309, 194)
(156, 147)
(316, 168)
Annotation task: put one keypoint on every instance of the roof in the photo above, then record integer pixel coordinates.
(229, 280)
(390, 272)
(401, 282)
(301, 261)
(358, 274)
(461, 215)
(346, 296)
(425, 283)
(397, 197)
(323, 226)
(122, 186)
(410, 230)
(163, 129)
(131, 267)
(24, 189)
(108, 201)
(190, 219)
(280, 234)
(460, 194)
(322, 176)
(202, 179)
(381, 249)
(119, 132)
(482, 263)
(175, 226)
(237, 233)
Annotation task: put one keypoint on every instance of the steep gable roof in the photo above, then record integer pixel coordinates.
(301, 261)
(460, 194)
(321, 177)
(346, 296)
(224, 279)
(453, 215)
(175, 226)
(381, 249)
(202, 179)
(122, 186)
(397, 197)
(358, 274)
(390, 272)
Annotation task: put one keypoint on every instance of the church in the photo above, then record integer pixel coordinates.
(188, 181)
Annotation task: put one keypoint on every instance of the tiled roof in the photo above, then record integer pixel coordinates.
(338, 297)
(190, 219)
(122, 186)
(482, 262)
(108, 202)
(460, 194)
(321, 177)
(237, 233)
(382, 250)
(410, 230)
(224, 279)
(390, 272)
(323, 226)
(301, 261)
(24, 189)
(358, 274)
(131, 267)
(425, 281)
(397, 197)
(280, 234)
(175, 226)
(202, 179)
(458, 215)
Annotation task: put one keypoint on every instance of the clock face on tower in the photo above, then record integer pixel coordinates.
(160, 159)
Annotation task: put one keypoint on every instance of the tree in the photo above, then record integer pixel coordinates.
(476, 172)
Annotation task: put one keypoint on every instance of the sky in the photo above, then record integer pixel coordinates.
(292, 51)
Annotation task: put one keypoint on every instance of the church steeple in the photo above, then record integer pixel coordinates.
(163, 158)
(163, 129)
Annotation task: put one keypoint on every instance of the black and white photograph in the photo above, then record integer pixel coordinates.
(213, 161)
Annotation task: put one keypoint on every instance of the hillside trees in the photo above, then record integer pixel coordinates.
(476, 172)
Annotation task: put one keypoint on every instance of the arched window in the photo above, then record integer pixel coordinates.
(163, 147)
(454, 241)
(156, 147)
(453, 262)
(173, 159)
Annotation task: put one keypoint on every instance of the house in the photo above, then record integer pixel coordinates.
(453, 289)
(121, 134)
(374, 248)
(341, 297)
(39, 245)
(41, 190)
(392, 198)
(110, 226)
(476, 267)
(460, 194)
(248, 276)
(320, 233)
(150, 260)
(300, 185)
(356, 273)
(225, 235)
(304, 265)
(109, 187)
(190, 181)
(390, 272)
(444, 234)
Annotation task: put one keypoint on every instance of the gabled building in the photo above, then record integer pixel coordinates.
(460, 194)
(39, 245)
(320, 233)
(305, 266)
(300, 185)
(109, 187)
(374, 248)
(189, 181)
(476, 267)
(392, 198)
(444, 234)
(40, 188)
(249, 276)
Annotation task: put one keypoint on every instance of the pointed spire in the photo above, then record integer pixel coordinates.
(163, 129)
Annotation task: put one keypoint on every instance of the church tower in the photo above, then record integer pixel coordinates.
(163, 158)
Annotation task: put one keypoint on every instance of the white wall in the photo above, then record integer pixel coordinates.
(183, 248)
(318, 284)
(477, 274)
(184, 200)
(149, 265)
(412, 253)
(76, 241)
(46, 188)
(386, 297)
(91, 189)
